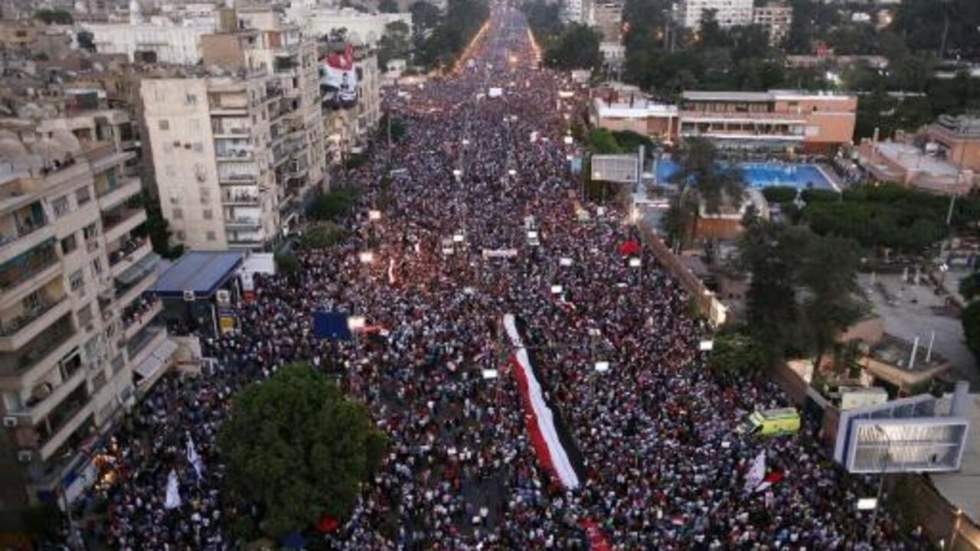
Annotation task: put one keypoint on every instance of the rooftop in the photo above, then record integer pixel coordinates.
(962, 488)
(897, 353)
(913, 158)
(771, 95)
(202, 272)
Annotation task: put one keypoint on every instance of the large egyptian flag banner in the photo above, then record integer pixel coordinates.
(554, 452)
(553, 444)
(338, 76)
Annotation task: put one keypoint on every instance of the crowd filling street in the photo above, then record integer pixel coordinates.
(662, 465)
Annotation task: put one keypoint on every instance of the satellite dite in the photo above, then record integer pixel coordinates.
(909, 435)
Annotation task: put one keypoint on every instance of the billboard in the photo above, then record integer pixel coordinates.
(927, 444)
(338, 78)
(622, 169)
(906, 435)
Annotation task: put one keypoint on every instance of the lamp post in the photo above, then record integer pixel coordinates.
(881, 481)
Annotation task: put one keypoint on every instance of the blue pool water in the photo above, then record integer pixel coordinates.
(764, 174)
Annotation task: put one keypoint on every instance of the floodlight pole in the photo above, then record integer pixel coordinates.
(881, 483)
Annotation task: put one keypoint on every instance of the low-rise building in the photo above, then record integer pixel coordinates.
(361, 28)
(607, 18)
(777, 119)
(633, 111)
(910, 165)
(159, 40)
(956, 139)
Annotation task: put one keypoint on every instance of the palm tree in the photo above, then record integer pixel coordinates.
(715, 183)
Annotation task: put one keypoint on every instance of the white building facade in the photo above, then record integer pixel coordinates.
(728, 13)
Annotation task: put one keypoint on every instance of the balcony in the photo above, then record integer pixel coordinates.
(36, 410)
(229, 154)
(222, 130)
(25, 366)
(103, 155)
(63, 421)
(139, 346)
(237, 179)
(19, 234)
(116, 195)
(243, 222)
(132, 251)
(27, 272)
(20, 330)
(240, 198)
(120, 222)
(139, 314)
(136, 280)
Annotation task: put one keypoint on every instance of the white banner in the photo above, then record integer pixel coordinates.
(756, 472)
(499, 253)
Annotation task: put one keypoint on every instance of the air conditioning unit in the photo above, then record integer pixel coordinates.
(189, 295)
(10, 422)
(25, 456)
(223, 296)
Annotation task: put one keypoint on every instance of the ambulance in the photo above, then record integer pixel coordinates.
(771, 422)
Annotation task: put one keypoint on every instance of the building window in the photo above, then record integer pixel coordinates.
(83, 195)
(178, 214)
(68, 245)
(60, 206)
(85, 315)
(76, 280)
(191, 99)
(97, 266)
(211, 236)
(181, 236)
(208, 215)
(164, 124)
(90, 231)
(175, 200)
(198, 147)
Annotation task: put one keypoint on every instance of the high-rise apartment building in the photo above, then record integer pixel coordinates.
(776, 18)
(728, 13)
(79, 341)
(237, 152)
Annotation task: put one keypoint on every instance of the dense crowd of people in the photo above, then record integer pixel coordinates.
(663, 466)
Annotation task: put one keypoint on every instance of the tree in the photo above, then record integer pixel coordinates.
(736, 355)
(157, 228)
(701, 169)
(772, 253)
(828, 273)
(298, 448)
(970, 286)
(332, 205)
(971, 326)
(286, 263)
(321, 236)
(603, 142)
(576, 48)
(388, 6)
(425, 17)
(394, 44)
(56, 17)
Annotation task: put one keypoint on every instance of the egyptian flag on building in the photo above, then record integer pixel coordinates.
(338, 77)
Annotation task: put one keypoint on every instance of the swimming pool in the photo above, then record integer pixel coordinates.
(765, 174)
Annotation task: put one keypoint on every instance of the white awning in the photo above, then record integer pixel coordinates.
(156, 361)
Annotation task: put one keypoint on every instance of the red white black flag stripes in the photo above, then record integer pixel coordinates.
(549, 448)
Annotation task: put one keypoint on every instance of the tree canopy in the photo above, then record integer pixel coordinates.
(452, 33)
(297, 447)
(57, 17)
(803, 289)
(714, 181)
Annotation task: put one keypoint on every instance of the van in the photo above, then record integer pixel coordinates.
(771, 422)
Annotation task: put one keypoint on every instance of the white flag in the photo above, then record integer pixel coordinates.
(172, 500)
(756, 472)
(194, 459)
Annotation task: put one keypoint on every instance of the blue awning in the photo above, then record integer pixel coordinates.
(202, 272)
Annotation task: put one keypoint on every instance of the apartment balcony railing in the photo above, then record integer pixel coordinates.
(234, 155)
(24, 268)
(29, 316)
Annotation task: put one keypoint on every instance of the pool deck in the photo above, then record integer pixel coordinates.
(830, 176)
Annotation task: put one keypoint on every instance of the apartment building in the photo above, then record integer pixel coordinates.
(349, 127)
(728, 13)
(79, 340)
(607, 18)
(777, 119)
(776, 18)
(362, 28)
